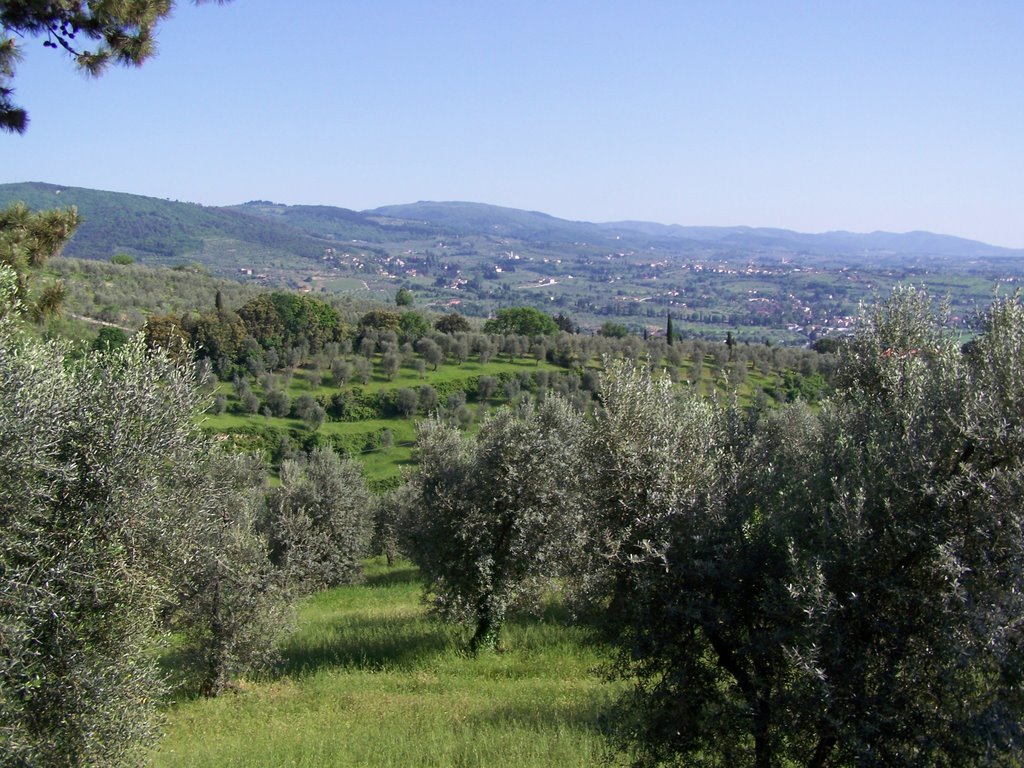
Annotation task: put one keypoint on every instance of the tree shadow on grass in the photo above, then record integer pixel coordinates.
(398, 574)
(540, 716)
(178, 673)
(562, 625)
(368, 644)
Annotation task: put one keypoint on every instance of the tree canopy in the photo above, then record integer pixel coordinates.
(453, 323)
(105, 509)
(27, 240)
(833, 587)
(403, 297)
(497, 512)
(525, 321)
(116, 517)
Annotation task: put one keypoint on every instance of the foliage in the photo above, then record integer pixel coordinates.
(381, 320)
(406, 401)
(232, 607)
(566, 323)
(310, 411)
(795, 386)
(613, 330)
(101, 477)
(305, 319)
(27, 240)
(649, 453)
(128, 295)
(922, 540)
(361, 388)
(827, 345)
(431, 352)
(413, 326)
(319, 520)
(524, 321)
(498, 513)
(264, 323)
(278, 403)
(843, 587)
(403, 297)
(393, 511)
(109, 339)
(215, 335)
(452, 323)
(707, 600)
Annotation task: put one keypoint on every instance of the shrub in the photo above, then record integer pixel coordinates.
(319, 520)
(104, 478)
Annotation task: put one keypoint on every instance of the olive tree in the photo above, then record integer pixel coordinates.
(393, 509)
(319, 520)
(232, 605)
(921, 543)
(498, 512)
(844, 588)
(102, 476)
(708, 602)
(648, 453)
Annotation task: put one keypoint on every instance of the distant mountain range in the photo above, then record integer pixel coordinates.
(164, 231)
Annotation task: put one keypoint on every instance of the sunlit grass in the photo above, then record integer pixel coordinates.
(370, 679)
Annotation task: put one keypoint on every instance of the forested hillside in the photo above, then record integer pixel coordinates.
(757, 284)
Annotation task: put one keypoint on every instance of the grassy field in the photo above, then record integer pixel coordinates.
(370, 680)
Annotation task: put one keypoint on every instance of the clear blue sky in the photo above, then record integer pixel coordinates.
(812, 116)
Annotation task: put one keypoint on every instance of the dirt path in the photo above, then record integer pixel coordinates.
(94, 321)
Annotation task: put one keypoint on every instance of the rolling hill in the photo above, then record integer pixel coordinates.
(755, 282)
(165, 231)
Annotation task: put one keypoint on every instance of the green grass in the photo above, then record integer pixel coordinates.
(369, 679)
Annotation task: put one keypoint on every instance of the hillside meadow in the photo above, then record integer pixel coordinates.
(370, 679)
(383, 460)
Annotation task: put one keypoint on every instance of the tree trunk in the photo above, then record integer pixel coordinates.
(213, 684)
(486, 636)
(762, 715)
(755, 690)
(762, 734)
(822, 752)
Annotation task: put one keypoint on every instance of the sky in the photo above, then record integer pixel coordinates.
(812, 116)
